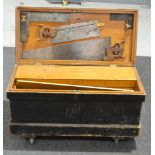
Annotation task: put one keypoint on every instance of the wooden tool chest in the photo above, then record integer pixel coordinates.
(75, 73)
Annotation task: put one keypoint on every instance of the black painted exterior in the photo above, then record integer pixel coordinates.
(73, 131)
(28, 110)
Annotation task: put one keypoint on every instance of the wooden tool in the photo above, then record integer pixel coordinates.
(71, 85)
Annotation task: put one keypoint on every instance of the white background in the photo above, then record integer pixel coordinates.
(144, 37)
(143, 40)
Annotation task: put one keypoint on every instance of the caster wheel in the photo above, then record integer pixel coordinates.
(31, 140)
(116, 140)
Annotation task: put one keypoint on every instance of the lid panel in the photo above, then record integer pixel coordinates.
(71, 36)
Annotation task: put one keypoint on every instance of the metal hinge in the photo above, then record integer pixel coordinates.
(66, 2)
(113, 65)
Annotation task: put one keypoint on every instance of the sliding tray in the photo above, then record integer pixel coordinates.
(75, 74)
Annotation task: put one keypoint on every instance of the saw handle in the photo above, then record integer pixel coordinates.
(47, 32)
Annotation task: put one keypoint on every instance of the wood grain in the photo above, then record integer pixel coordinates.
(75, 72)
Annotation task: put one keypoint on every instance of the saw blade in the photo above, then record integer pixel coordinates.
(93, 49)
(76, 31)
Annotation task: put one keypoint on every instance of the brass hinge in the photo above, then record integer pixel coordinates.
(65, 2)
(113, 65)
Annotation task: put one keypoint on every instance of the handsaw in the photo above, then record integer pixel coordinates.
(71, 85)
(63, 33)
(70, 32)
(93, 49)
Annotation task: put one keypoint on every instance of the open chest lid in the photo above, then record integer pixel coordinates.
(64, 36)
